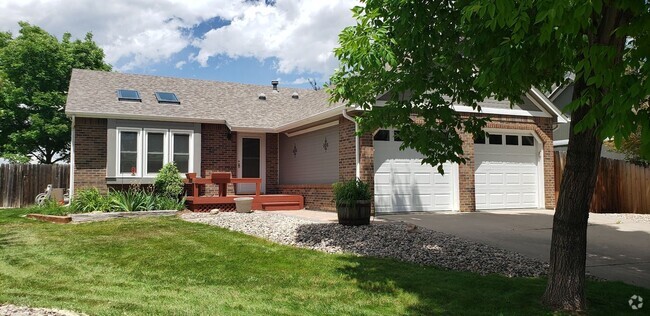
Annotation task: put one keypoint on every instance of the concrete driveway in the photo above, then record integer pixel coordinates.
(617, 248)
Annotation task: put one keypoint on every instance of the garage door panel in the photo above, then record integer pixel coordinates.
(422, 178)
(506, 176)
(404, 184)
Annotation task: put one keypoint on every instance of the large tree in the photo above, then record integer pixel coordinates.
(35, 70)
(431, 54)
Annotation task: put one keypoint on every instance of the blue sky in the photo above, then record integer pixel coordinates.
(226, 40)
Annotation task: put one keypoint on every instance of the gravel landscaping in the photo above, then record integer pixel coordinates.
(625, 217)
(13, 310)
(401, 241)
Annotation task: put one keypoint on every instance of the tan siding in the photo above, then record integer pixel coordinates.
(312, 163)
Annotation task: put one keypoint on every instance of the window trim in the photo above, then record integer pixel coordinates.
(172, 132)
(118, 151)
(145, 149)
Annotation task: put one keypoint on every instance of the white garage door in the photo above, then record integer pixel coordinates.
(404, 184)
(506, 171)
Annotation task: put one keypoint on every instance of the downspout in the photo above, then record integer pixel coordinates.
(356, 144)
(72, 139)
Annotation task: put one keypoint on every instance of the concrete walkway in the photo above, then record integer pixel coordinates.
(618, 248)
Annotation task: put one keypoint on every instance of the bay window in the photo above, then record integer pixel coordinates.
(142, 152)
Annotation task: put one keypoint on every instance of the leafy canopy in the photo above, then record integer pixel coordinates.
(429, 55)
(35, 72)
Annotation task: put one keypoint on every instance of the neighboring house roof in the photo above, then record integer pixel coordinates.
(94, 94)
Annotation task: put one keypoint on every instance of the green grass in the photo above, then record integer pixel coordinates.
(165, 266)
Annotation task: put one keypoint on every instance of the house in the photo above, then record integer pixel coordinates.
(126, 126)
(561, 96)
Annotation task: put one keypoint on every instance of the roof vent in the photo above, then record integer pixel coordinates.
(262, 96)
(274, 83)
(295, 95)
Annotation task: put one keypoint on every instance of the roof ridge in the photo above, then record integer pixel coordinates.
(191, 79)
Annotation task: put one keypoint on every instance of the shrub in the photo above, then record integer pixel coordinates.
(132, 200)
(50, 207)
(351, 191)
(90, 200)
(168, 182)
(167, 203)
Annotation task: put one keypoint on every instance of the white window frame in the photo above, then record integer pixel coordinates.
(145, 149)
(172, 132)
(138, 167)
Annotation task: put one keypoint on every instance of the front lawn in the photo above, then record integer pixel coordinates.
(163, 266)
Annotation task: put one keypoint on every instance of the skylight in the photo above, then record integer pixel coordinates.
(128, 95)
(167, 97)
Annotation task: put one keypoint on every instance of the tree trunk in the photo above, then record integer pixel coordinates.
(566, 280)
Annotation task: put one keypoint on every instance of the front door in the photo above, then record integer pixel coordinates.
(250, 161)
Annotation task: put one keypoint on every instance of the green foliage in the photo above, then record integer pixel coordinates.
(132, 200)
(90, 200)
(168, 181)
(351, 191)
(17, 158)
(431, 55)
(35, 70)
(50, 207)
(169, 203)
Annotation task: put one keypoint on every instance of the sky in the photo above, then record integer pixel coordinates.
(225, 40)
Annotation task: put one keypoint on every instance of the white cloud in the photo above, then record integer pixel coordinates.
(131, 32)
(300, 80)
(301, 34)
(180, 64)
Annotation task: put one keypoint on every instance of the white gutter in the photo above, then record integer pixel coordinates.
(356, 143)
(72, 139)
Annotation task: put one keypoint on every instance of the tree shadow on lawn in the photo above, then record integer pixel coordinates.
(8, 239)
(438, 291)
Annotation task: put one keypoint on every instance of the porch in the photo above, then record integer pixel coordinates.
(224, 202)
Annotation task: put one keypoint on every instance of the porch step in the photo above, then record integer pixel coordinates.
(281, 206)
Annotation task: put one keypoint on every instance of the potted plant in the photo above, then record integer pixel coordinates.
(352, 200)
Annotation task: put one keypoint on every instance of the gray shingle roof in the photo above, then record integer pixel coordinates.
(94, 94)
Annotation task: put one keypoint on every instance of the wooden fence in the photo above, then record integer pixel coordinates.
(19, 184)
(621, 187)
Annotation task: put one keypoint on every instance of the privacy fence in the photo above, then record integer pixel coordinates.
(19, 184)
(622, 187)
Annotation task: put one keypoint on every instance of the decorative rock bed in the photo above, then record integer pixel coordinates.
(14, 310)
(389, 240)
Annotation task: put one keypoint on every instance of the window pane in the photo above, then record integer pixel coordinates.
(128, 162)
(251, 157)
(512, 140)
(181, 143)
(527, 141)
(496, 139)
(479, 139)
(129, 141)
(154, 162)
(182, 162)
(382, 135)
(396, 136)
(155, 142)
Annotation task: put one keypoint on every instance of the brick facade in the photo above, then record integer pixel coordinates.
(272, 162)
(218, 154)
(90, 153)
(318, 197)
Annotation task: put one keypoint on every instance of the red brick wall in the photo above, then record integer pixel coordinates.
(318, 197)
(466, 187)
(90, 154)
(347, 161)
(218, 153)
(272, 158)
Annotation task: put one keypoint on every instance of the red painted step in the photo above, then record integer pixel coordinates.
(281, 206)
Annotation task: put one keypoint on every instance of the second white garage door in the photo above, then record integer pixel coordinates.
(507, 173)
(404, 184)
